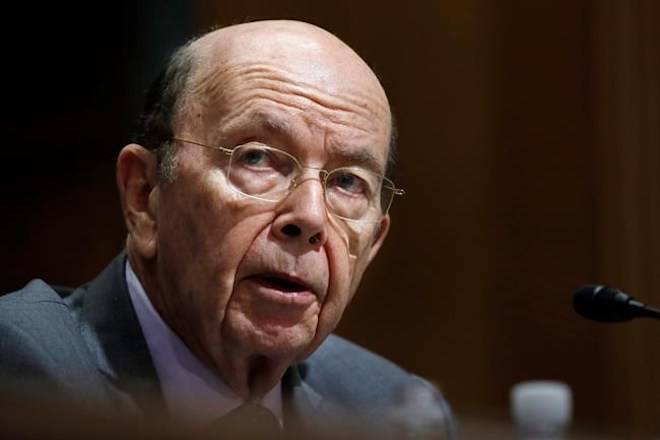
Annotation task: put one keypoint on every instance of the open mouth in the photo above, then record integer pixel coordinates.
(281, 283)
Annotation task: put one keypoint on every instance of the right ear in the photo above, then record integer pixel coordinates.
(138, 193)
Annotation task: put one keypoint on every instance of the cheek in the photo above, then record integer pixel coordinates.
(208, 223)
(203, 236)
(348, 255)
(341, 287)
(357, 240)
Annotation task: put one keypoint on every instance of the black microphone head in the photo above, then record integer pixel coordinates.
(604, 304)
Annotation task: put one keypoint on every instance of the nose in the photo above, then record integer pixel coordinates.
(302, 216)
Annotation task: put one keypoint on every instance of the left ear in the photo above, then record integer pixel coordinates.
(379, 237)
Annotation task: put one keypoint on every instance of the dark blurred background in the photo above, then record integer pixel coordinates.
(530, 153)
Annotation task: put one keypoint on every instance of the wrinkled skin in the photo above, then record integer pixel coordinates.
(202, 251)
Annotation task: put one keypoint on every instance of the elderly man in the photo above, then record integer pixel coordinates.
(255, 197)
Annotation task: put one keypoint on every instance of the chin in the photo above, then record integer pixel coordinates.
(274, 339)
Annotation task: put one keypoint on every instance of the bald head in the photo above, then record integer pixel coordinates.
(276, 55)
(313, 54)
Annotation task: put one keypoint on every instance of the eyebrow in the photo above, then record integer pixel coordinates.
(360, 157)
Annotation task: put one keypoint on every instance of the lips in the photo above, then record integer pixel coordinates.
(283, 289)
(282, 282)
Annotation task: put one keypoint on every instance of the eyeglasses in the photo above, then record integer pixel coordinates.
(261, 172)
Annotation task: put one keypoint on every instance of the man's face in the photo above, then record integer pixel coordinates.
(248, 277)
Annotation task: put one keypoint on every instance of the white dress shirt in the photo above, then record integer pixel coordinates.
(192, 391)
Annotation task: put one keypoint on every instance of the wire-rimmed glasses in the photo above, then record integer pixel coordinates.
(262, 172)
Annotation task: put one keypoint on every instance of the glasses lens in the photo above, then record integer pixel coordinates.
(357, 194)
(261, 171)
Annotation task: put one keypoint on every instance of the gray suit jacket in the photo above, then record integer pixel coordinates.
(86, 346)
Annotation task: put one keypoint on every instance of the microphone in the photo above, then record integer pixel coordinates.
(607, 304)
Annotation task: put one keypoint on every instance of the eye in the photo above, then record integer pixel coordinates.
(254, 157)
(348, 182)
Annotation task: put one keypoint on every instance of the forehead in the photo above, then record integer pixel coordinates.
(292, 87)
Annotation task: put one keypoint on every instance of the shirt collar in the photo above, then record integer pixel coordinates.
(191, 390)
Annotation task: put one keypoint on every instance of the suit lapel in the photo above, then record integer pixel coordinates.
(306, 412)
(112, 331)
(298, 397)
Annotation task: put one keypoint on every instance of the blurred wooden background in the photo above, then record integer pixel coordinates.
(530, 153)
